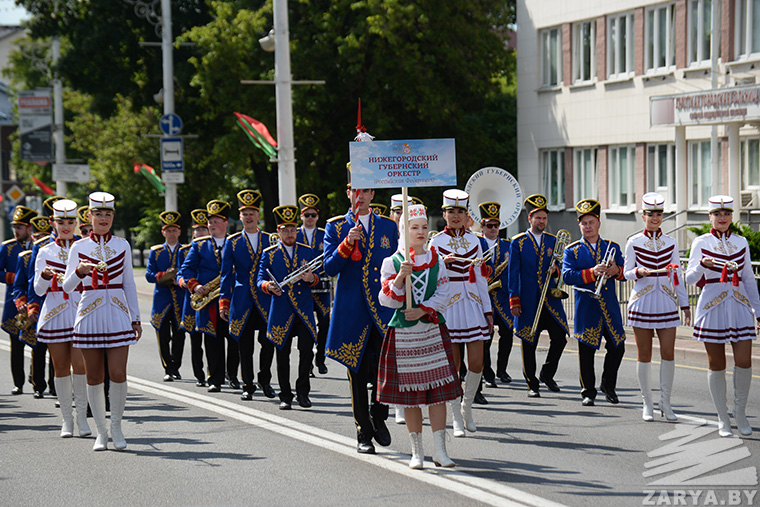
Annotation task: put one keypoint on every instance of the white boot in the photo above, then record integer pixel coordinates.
(471, 384)
(642, 371)
(80, 400)
(97, 397)
(63, 390)
(455, 407)
(716, 380)
(118, 395)
(440, 457)
(742, 380)
(667, 372)
(418, 455)
(400, 419)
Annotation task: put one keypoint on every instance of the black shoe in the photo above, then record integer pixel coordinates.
(365, 447)
(176, 376)
(322, 369)
(246, 396)
(610, 394)
(382, 435)
(533, 393)
(304, 402)
(284, 405)
(550, 384)
(588, 402)
(480, 399)
(490, 383)
(234, 384)
(504, 377)
(17, 390)
(213, 388)
(38, 395)
(168, 378)
(200, 383)
(267, 390)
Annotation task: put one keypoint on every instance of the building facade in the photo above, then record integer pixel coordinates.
(617, 98)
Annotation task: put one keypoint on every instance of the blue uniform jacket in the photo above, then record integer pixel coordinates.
(202, 264)
(188, 314)
(322, 299)
(295, 299)
(499, 300)
(239, 289)
(165, 298)
(8, 260)
(593, 316)
(527, 268)
(356, 308)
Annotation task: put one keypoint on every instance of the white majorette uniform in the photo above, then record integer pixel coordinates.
(108, 307)
(729, 303)
(469, 301)
(56, 321)
(655, 299)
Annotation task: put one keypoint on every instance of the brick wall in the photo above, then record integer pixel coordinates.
(567, 60)
(638, 41)
(681, 35)
(601, 48)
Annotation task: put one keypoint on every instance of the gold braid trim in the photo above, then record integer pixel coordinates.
(349, 353)
(123, 307)
(55, 311)
(157, 318)
(87, 309)
(278, 334)
(236, 325)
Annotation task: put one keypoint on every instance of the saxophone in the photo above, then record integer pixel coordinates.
(494, 284)
(198, 302)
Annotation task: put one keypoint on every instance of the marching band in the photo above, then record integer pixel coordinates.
(76, 296)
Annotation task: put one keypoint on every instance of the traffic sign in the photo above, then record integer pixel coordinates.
(73, 173)
(172, 154)
(173, 177)
(15, 194)
(170, 124)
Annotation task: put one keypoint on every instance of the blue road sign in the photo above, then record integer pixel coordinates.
(172, 154)
(170, 124)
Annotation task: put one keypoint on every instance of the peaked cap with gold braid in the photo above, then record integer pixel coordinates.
(22, 215)
(287, 214)
(308, 201)
(170, 219)
(249, 199)
(588, 207)
(535, 202)
(200, 218)
(489, 211)
(218, 208)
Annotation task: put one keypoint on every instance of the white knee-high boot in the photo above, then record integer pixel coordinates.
(716, 380)
(667, 372)
(742, 380)
(80, 400)
(97, 397)
(63, 390)
(642, 371)
(418, 455)
(471, 384)
(455, 407)
(440, 456)
(118, 395)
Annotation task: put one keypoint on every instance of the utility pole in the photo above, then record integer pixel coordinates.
(167, 52)
(60, 147)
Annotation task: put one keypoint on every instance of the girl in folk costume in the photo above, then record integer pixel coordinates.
(727, 309)
(651, 259)
(108, 318)
(416, 362)
(468, 315)
(55, 327)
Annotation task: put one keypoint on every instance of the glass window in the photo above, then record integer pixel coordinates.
(620, 45)
(659, 35)
(551, 57)
(584, 51)
(750, 163)
(700, 162)
(553, 173)
(699, 19)
(747, 30)
(661, 171)
(584, 170)
(621, 179)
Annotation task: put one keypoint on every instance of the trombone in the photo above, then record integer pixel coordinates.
(563, 239)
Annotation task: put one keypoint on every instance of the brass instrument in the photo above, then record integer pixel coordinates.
(101, 266)
(168, 278)
(493, 283)
(199, 302)
(22, 320)
(609, 256)
(563, 239)
(293, 277)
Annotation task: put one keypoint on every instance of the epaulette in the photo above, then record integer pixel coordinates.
(9, 241)
(265, 232)
(574, 244)
(614, 243)
(550, 234)
(201, 238)
(270, 248)
(320, 229)
(44, 240)
(385, 217)
(303, 244)
(156, 247)
(235, 235)
(518, 235)
(185, 247)
(336, 218)
(25, 253)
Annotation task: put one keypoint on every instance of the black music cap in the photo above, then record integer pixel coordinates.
(378, 209)
(535, 202)
(218, 208)
(200, 218)
(169, 219)
(248, 199)
(588, 207)
(47, 204)
(308, 201)
(286, 214)
(490, 211)
(23, 215)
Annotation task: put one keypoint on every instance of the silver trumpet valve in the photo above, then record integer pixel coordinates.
(609, 257)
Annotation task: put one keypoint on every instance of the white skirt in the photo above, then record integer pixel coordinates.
(465, 321)
(653, 310)
(727, 321)
(103, 321)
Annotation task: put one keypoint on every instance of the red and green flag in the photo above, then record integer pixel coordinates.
(258, 134)
(43, 187)
(151, 175)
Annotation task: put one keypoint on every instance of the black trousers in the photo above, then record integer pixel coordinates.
(255, 325)
(557, 342)
(612, 359)
(215, 353)
(233, 353)
(171, 344)
(506, 339)
(305, 357)
(196, 355)
(323, 325)
(37, 367)
(364, 404)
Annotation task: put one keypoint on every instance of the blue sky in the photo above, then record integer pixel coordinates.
(10, 14)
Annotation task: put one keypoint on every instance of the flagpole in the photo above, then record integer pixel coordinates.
(407, 256)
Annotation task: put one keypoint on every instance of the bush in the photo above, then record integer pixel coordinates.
(753, 237)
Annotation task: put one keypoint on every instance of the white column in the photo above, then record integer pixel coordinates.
(682, 185)
(167, 52)
(734, 174)
(60, 147)
(286, 164)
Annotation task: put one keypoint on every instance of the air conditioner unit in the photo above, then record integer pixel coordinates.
(750, 199)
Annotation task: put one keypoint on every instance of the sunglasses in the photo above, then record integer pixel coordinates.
(491, 226)
(310, 215)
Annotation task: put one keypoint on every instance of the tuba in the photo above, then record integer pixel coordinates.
(198, 302)
(493, 184)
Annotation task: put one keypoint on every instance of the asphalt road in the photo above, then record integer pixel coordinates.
(189, 447)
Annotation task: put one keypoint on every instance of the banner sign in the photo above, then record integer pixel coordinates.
(707, 107)
(35, 111)
(410, 163)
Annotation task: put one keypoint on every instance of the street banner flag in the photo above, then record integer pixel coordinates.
(43, 187)
(258, 134)
(151, 175)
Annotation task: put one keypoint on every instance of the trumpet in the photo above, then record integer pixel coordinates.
(199, 302)
(609, 256)
(293, 277)
(563, 239)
